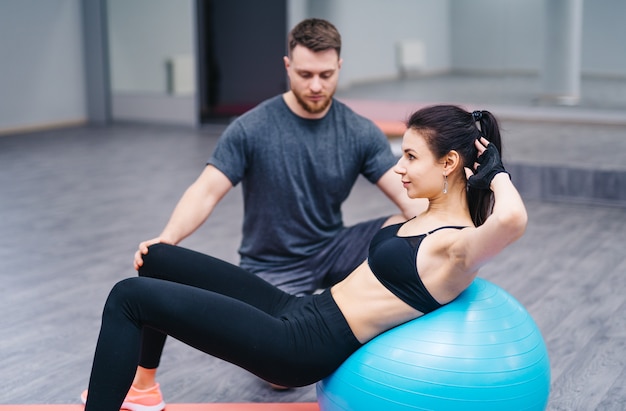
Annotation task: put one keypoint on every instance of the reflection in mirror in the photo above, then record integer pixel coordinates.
(151, 46)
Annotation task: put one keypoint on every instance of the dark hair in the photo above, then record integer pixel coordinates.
(316, 35)
(448, 127)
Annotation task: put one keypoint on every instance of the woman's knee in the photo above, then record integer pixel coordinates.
(122, 293)
(155, 258)
(125, 304)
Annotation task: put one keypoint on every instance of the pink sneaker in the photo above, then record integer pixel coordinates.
(139, 400)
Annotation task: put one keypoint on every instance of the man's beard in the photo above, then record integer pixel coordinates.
(310, 108)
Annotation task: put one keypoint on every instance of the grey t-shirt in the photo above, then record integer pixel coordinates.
(295, 175)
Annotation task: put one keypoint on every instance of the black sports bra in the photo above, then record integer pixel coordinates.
(393, 261)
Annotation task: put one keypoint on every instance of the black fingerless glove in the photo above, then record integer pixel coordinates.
(489, 164)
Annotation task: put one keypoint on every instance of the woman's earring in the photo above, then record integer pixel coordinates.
(445, 184)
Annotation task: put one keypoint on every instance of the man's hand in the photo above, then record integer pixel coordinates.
(143, 250)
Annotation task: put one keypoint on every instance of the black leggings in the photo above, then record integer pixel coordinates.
(221, 310)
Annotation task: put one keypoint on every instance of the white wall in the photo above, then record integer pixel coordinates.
(497, 35)
(143, 34)
(371, 29)
(604, 38)
(482, 36)
(42, 80)
(507, 36)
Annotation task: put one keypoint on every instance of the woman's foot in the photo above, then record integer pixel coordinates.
(139, 400)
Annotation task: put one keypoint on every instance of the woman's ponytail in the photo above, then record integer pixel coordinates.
(481, 200)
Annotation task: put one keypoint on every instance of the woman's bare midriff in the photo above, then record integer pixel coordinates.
(369, 307)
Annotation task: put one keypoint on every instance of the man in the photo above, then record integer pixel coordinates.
(297, 156)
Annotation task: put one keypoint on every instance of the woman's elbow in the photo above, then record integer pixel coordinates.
(515, 222)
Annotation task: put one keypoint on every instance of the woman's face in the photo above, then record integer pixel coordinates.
(421, 172)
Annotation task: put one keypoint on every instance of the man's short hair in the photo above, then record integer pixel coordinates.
(316, 35)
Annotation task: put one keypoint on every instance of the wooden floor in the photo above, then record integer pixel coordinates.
(74, 204)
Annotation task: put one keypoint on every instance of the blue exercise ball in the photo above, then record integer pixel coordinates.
(483, 351)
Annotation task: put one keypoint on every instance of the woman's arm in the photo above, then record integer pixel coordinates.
(505, 225)
(475, 246)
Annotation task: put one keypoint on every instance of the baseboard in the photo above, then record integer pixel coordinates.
(31, 128)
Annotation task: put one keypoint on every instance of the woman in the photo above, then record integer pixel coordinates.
(449, 156)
